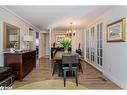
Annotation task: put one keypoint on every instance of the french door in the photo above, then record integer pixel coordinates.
(87, 45)
(100, 44)
(90, 44)
(94, 45)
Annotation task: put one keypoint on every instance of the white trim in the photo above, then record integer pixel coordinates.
(13, 13)
(113, 79)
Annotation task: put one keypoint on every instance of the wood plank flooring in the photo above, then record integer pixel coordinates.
(91, 78)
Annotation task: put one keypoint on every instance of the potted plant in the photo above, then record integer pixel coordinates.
(66, 43)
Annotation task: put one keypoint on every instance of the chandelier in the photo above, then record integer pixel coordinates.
(71, 31)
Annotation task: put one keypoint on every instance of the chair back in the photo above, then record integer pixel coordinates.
(70, 59)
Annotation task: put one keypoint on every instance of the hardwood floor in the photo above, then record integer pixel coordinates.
(91, 78)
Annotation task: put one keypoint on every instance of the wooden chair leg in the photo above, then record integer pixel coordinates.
(54, 67)
(80, 67)
(76, 77)
(60, 71)
(64, 72)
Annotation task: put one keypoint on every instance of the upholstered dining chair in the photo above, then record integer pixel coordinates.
(70, 60)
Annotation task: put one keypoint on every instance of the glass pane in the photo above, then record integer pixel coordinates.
(97, 44)
(98, 32)
(93, 32)
(101, 27)
(93, 58)
(97, 60)
(87, 55)
(101, 61)
(100, 52)
(100, 35)
(100, 43)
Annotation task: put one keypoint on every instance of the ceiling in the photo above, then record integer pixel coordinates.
(58, 17)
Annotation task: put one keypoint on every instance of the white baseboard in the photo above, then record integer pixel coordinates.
(113, 79)
(109, 76)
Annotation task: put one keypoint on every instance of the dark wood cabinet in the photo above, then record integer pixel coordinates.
(21, 62)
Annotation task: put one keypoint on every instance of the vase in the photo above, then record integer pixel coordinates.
(65, 50)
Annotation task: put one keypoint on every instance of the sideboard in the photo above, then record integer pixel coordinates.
(21, 62)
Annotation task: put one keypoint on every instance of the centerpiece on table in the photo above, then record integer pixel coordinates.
(66, 43)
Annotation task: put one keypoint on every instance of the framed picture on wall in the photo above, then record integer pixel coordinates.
(116, 31)
(59, 37)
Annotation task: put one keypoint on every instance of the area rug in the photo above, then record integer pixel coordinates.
(51, 84)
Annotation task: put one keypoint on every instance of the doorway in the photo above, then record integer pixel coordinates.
(37, 45)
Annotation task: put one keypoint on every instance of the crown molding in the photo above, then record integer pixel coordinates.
(25, 21)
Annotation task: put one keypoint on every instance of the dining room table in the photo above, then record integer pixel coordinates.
(59, 54)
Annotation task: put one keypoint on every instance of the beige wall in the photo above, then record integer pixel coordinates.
(54, 33)
(41, 45)
(44, 48)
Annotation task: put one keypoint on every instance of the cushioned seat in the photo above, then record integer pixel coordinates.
(5, 72)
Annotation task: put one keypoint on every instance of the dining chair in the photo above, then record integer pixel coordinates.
(70, 60)
(79, 51)
(80, 66)
(57, 64)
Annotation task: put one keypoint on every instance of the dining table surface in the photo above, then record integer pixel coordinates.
(59, 54)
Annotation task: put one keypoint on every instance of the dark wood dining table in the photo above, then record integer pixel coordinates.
(58, 55)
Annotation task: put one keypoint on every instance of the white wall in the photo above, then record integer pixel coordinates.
(115, 61)
(78, 38)
(9, 17)
(114, 54)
